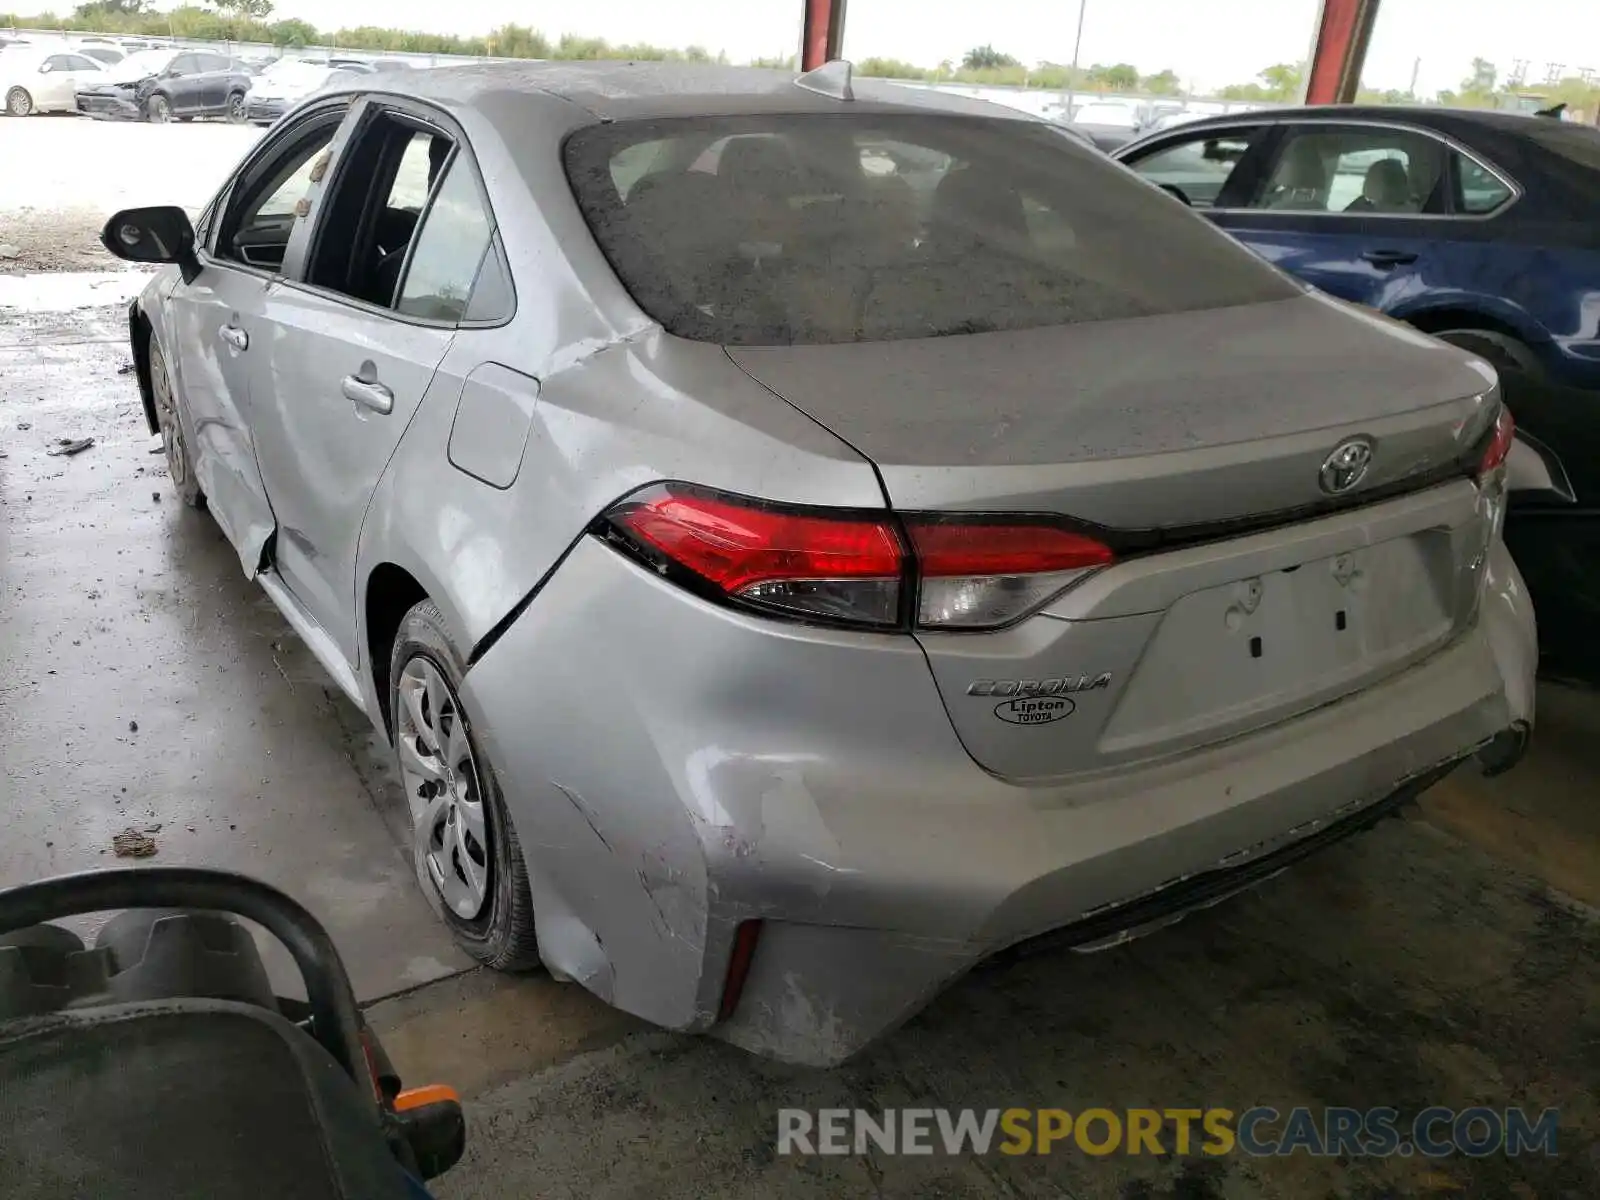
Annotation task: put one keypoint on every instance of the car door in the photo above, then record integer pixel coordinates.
(372, 296)
(1351, 208)
(213, 75)
(55, 86)
(217, 322)
(178, 81)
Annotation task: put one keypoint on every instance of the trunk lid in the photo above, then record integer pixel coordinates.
(1246, 593)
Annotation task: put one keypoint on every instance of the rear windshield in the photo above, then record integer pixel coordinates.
(777, 230)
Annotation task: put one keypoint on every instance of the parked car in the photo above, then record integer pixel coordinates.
(778, 604)
(1477, 227)
(1108, 124)
(285, 83)
(34, 80)
(165, 85)
(104, 55)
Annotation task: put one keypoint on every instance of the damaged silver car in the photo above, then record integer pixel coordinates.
(804, 536)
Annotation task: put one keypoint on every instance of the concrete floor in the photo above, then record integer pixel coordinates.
(1448, 957)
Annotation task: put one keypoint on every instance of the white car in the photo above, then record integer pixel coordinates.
(38, 81)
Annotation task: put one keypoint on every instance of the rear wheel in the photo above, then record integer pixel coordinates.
(180, 465)
(237, 111)
(466, 852)
(19, 102)
(158, 110)
(1504, 353)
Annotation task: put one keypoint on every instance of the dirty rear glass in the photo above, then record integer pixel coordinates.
(792, 229)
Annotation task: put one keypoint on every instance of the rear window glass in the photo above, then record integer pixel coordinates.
(777, 230)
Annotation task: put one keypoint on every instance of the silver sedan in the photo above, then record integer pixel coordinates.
(804, 536)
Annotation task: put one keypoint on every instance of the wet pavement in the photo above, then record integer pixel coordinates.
(1450, 957)
(145, 684)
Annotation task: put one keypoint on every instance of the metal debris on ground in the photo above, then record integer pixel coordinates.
(24, 425)
(125, 369)
(69, 446)
(130, 843)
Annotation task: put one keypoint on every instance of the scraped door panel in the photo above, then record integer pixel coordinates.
(336, 387)
(215, 333)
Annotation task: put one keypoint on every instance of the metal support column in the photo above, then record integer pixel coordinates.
(1344, 28)
(822, 38)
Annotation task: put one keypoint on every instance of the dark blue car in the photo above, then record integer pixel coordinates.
(1482, 228)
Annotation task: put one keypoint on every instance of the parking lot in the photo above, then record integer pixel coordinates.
(1449, 957)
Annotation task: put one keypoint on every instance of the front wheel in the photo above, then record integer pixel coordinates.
(467, 857)
(158, 110)
(238, 111)
(180, 464)
(19, 103)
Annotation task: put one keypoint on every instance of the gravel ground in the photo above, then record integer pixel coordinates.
(63, 176)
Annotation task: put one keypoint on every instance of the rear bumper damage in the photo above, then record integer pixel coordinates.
(676, 770)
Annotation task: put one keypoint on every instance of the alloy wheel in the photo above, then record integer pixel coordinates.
(160, 110)
(170, 426)
(237, 111)
(18, 102)
(443, 788)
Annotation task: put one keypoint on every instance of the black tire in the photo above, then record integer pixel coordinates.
(1504, 353)
(238, 112)
(158, 110)
(174, 430)
(502, 935)
(19, 102)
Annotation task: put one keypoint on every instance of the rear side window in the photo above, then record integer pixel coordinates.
(792, 229)
(451, 245)
(1481, 190)
(1354, 170)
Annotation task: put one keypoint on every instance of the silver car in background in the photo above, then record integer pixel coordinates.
(803, 537)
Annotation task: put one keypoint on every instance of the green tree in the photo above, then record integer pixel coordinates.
(296, 35)
(1482, 80)
(110, 8)
(986, 57)
(1282, 81)
(889, 68)
(1119, 77)
(254, 10)
(1162, 83)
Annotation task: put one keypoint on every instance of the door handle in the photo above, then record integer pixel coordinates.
(369, 395)
(1390, 258)
(235, 337)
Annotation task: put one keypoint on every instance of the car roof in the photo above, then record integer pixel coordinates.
(1392, 114)
(621, 90)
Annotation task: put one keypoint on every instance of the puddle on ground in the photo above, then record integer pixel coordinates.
(63, 291)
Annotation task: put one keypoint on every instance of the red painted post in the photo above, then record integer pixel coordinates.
(823, 36)
(1344, 28)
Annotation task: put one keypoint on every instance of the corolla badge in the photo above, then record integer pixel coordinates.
(1346, 466)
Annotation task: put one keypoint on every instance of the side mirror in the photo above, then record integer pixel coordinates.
(162, 234)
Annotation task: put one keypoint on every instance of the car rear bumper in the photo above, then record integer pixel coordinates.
(675, 770)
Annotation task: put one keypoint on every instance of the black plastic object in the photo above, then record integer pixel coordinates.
(156, 954)
(330, 1001)
(185, 1099)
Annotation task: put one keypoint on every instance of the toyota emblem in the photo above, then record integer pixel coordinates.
(1346, 466)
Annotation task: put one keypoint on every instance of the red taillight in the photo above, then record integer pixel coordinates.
(972, 573)
(1505, 432)
(840, 568)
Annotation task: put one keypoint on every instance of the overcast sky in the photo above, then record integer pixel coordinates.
(1208, 42)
